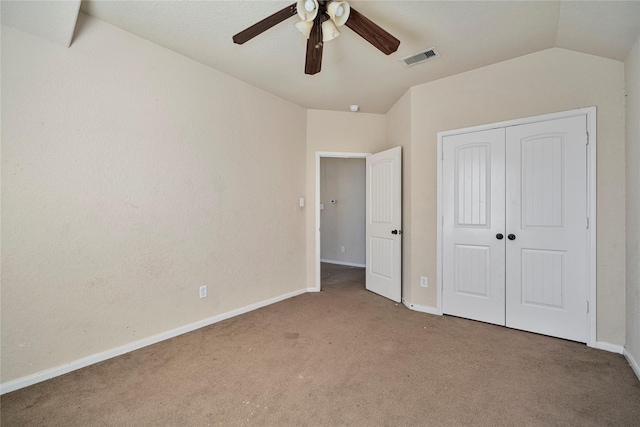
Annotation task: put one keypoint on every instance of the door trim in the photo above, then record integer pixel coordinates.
(320, 154)
(590, 113)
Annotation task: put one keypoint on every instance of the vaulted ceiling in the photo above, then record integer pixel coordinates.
(467, 34)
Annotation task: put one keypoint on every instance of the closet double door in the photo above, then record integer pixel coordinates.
(515, 227)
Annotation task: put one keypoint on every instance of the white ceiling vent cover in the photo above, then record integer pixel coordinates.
(420, 57)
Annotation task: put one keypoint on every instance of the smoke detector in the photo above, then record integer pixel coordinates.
(417, 58)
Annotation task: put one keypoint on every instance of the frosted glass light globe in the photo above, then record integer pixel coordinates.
(309, 6)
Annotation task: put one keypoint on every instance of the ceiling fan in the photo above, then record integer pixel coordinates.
(319, 22)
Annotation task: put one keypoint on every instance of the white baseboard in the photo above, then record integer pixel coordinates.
(422, 308)
(632, 362)
(313, 290)
(19, 383)
(350, 264)
(613, 348)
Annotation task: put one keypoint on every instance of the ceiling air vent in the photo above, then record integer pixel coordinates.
(420, 57)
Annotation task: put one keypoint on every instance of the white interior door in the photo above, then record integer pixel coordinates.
(473, 229)
(546, 216)
(384, 223)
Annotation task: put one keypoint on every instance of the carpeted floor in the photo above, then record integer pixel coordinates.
(343, 356)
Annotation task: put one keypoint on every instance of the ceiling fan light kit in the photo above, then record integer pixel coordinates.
(339, 12)
(307, 9)
(304, 27)
(329, 31)
(319, 22)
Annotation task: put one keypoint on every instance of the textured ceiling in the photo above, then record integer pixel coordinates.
(53, 21)
(467, 35)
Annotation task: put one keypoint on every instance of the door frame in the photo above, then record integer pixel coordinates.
(319, 155)
(590, 113)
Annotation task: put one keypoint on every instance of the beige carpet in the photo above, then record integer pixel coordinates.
(341, 357)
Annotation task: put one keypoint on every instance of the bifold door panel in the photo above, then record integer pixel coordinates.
(515, 227)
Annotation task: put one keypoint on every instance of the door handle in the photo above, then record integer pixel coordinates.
(499, 236)
(511, 237)
(396, 231)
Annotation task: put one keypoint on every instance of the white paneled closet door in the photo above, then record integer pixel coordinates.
(473, 211)
(546, 215)
(514, 232)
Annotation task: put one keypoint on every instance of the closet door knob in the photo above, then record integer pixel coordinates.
(499, 236)
(511, 237)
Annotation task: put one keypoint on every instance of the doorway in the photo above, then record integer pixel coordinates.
(342, 211)
(335, 251)
(383, 226)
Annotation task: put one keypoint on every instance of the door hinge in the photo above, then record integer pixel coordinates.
(588, 223)
(442, 155)
(587, 306)
(587, 138)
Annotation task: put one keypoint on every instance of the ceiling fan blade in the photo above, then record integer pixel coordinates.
(372, 33)
(313, 62)
(262, 26)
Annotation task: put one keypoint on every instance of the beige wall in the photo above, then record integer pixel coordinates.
(544, 82)
(335, 131)
(132, 175)
(398, 127)
(632, 80)
(342, 224)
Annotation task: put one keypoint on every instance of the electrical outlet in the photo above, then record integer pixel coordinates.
(343, 249)
(203, 291)
(424, 282)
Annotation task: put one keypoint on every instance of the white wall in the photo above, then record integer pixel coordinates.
(342, 224)
(132, 175)
(544, 82)
(632, 80)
